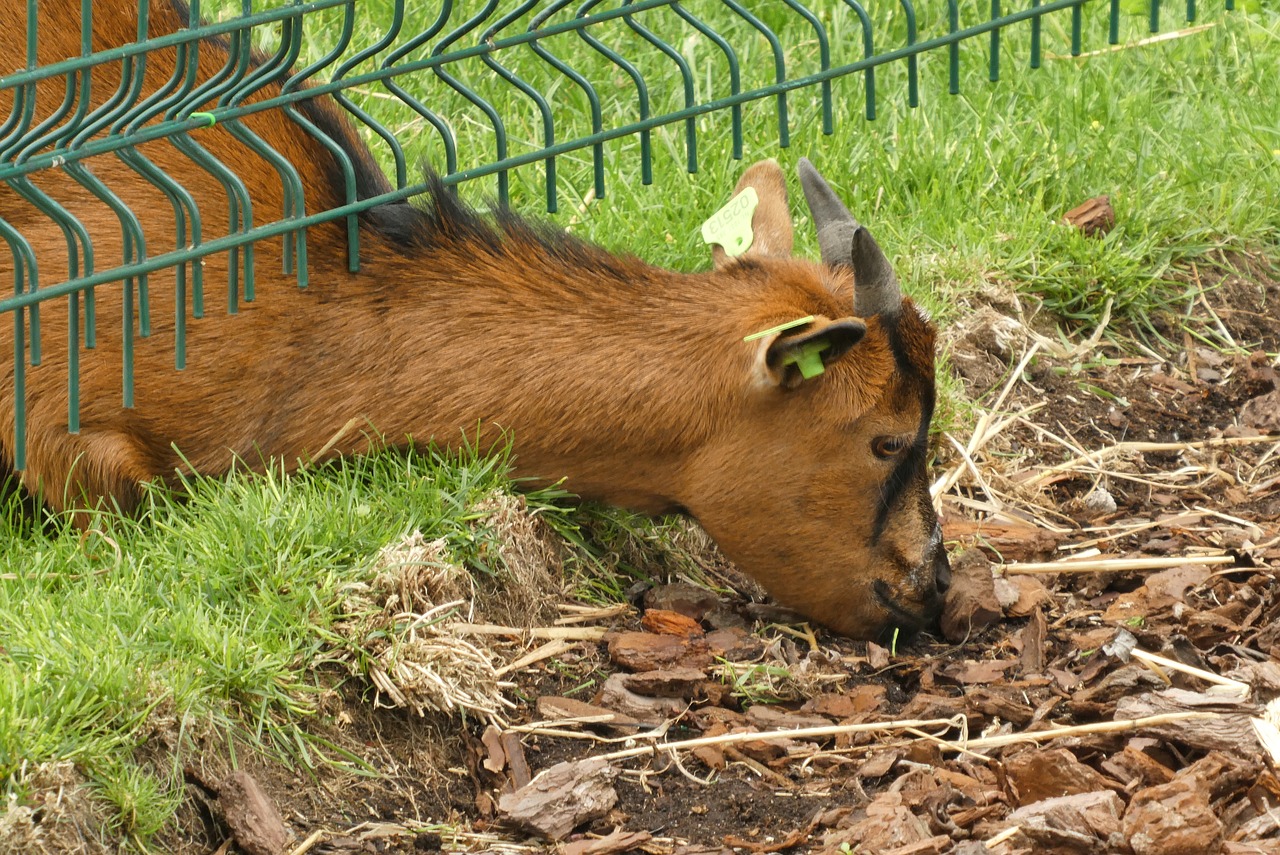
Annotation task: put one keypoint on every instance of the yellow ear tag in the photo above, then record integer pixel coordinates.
(731, 225)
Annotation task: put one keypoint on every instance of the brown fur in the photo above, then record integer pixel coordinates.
(631, 382)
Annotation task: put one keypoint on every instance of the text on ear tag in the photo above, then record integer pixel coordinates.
(731, 225)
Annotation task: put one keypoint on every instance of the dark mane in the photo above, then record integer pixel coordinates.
(440, 221)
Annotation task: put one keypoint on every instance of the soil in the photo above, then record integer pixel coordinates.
(1190, 477)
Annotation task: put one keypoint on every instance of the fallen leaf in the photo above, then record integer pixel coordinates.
(981, 671)
(688, 600)
(1262, 413)
(552, 707)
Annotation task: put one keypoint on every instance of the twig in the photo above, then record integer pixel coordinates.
(305, 846)
(352, 424)
(1140, 447)
(1113, 532)
(1222, 328)
(929, 737)
(569, 633)
(554, 728)
(982, 434)
(993, 842)
(798, 733)
(1243, 689)
(1120, 726)
(1108, 565)
(1243, 523)
(554, 647)
(969, 464)
(1150, 40)
(587, 614)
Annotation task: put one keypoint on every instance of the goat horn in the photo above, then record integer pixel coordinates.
(843, 241)
(832, 219)
(875, 286)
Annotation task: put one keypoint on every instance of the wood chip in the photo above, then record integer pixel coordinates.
(1094, 217)
(1227, 729)
(562, 797)
(251, 815)
(1038, 775)
(970, 604)
(612, 843)
(1172, 818)
(666, 622)
(647, 651)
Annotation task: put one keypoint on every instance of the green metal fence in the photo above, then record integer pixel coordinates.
(410, 65)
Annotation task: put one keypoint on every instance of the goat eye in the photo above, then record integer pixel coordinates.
(885, 447)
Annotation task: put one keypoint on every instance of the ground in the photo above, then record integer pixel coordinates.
(1127, 444)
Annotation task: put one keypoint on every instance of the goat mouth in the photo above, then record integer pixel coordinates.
(901, 618)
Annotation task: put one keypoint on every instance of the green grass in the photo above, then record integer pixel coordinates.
(209, 609)
(212, 610)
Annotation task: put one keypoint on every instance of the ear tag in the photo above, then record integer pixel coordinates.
(808, 358)
(731, 225)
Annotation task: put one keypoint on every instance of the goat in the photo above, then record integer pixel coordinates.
(635, 385)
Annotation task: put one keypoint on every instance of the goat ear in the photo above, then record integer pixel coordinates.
(771, 229)
(791, 357)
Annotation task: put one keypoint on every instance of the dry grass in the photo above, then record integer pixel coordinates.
(58, 817)
(410, 626)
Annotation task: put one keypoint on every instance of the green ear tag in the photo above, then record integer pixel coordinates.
(731, 225)
(808, 358)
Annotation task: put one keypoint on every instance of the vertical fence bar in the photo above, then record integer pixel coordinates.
(953, 50)
(642, 92)
(593, 99)
(499, 127)
(1077, 27)
(690, 124)
(994, 74)
(824, 58)
(1035, 36)
(24, 271)
(868, 51)
(735, 73)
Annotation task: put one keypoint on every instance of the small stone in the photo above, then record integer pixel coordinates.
(1099, 503)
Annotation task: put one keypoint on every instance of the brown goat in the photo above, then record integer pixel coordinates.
(632, 383)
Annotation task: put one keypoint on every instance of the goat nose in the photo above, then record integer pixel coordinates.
(941, 566)
(941, 569)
